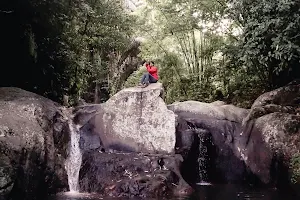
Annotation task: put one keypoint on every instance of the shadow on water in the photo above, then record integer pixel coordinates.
(236, 192)
(213, 192)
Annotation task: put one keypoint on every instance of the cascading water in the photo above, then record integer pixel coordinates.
(73, 162)
(203, 159)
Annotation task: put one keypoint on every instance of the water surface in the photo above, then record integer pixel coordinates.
(214, 192)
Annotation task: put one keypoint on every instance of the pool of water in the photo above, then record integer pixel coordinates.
(214, 192)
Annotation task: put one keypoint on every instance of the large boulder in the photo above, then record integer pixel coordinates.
(132, 175)
(215, 110)
(272, 129)
(288, 95)
(133, 120)
(128, 146)
(273, 143)
(208, 137)
(261, 144)
(32, 146)
(285, 100)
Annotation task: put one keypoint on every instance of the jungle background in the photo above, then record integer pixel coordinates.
(206, 50)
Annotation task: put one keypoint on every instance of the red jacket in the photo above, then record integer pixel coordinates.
(152, 70)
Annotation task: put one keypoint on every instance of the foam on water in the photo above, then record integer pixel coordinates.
(73, 162)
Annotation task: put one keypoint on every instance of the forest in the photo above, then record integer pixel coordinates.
(205, 50)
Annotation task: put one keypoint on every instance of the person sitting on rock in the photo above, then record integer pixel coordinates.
(151, 76)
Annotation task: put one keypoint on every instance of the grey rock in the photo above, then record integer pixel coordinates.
(31, 164)
(134, 120)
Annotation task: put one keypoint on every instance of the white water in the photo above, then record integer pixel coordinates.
(73, 162)
(202, 183)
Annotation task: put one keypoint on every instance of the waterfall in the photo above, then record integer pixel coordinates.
(203, 159)
(73, 161)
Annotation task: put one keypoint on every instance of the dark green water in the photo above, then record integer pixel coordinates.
(216, 192)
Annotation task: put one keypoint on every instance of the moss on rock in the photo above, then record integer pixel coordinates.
(295, 169)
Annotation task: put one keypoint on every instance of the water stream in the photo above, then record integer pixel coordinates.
(213, 192)
(73, 162)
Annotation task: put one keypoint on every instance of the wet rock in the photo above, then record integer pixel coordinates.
(132, 175)
(207, 135)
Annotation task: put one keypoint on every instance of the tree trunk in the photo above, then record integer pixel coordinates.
(96, 94)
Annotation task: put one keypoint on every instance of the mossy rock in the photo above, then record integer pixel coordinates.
(295, 169)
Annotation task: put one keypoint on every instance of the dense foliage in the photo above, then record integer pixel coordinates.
(270, 45)
(58, 48)
(206, 50)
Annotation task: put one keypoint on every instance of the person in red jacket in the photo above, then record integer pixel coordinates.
(151, 76)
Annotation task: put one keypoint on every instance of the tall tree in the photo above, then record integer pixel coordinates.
(61, 47)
